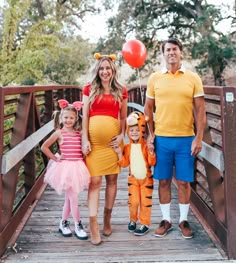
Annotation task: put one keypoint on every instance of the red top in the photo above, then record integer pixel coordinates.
(106, 105)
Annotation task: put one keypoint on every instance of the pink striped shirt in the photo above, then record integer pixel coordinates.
(71, 148)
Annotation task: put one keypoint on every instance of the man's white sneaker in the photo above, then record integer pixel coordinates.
(79, 231)
(64, 228)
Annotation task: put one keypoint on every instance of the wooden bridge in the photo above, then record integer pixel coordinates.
(30, 210)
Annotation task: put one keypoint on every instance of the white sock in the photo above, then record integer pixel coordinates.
(165, 210)
(183, 209)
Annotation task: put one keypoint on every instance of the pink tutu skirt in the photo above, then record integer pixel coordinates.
(65, 175)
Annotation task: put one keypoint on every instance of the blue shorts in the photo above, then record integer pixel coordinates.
(174, 152)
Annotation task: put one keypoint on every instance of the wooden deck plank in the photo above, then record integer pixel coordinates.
(40, 241)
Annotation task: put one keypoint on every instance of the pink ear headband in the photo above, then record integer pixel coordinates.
(64, 103)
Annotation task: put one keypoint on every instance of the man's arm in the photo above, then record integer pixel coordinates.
(148, 112)
(200, 122)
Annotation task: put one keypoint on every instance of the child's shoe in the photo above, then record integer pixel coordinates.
(64, 228)
(79, 231)
(142, 230)
(131, 226)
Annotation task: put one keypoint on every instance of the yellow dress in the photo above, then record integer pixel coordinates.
(102, 160)
(103, 124)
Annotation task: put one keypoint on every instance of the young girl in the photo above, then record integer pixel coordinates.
(67, 172)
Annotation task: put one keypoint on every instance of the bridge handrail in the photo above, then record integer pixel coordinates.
(213, 156)
(11, 158)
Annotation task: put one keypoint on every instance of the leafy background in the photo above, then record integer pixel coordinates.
(43, 41)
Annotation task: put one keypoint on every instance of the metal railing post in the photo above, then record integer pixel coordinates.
(229, 146)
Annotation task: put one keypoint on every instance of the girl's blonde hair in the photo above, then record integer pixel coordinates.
(57, 117)
(96, 84)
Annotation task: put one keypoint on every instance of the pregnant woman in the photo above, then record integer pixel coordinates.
(104, 116)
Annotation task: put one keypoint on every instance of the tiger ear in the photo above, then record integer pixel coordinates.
(97, 56)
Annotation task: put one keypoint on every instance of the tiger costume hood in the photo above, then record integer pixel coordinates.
(137, 118)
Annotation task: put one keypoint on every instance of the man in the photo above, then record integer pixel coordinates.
(177, 94)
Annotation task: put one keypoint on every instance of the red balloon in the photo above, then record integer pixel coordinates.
(134, 53)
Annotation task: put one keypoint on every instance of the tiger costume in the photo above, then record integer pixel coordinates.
(140, 180)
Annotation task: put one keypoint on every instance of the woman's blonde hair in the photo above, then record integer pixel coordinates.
(96, 84)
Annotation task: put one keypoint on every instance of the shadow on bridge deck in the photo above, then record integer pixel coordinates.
(40, 241)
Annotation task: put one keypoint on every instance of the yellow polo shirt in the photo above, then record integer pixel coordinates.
(173, 94)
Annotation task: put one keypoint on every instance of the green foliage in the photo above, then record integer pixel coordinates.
(194, 22)
(70, 61)
(28, 81)
(7, 139)
(8, 124)
(215, 55)
(25, 58)
(10, 108)
(38, 43)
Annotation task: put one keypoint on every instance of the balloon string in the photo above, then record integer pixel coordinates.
(141, 93)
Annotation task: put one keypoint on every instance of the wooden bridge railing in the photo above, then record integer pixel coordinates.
(25, 120)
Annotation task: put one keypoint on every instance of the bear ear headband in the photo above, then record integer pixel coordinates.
(98, 56)
(64, 103)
